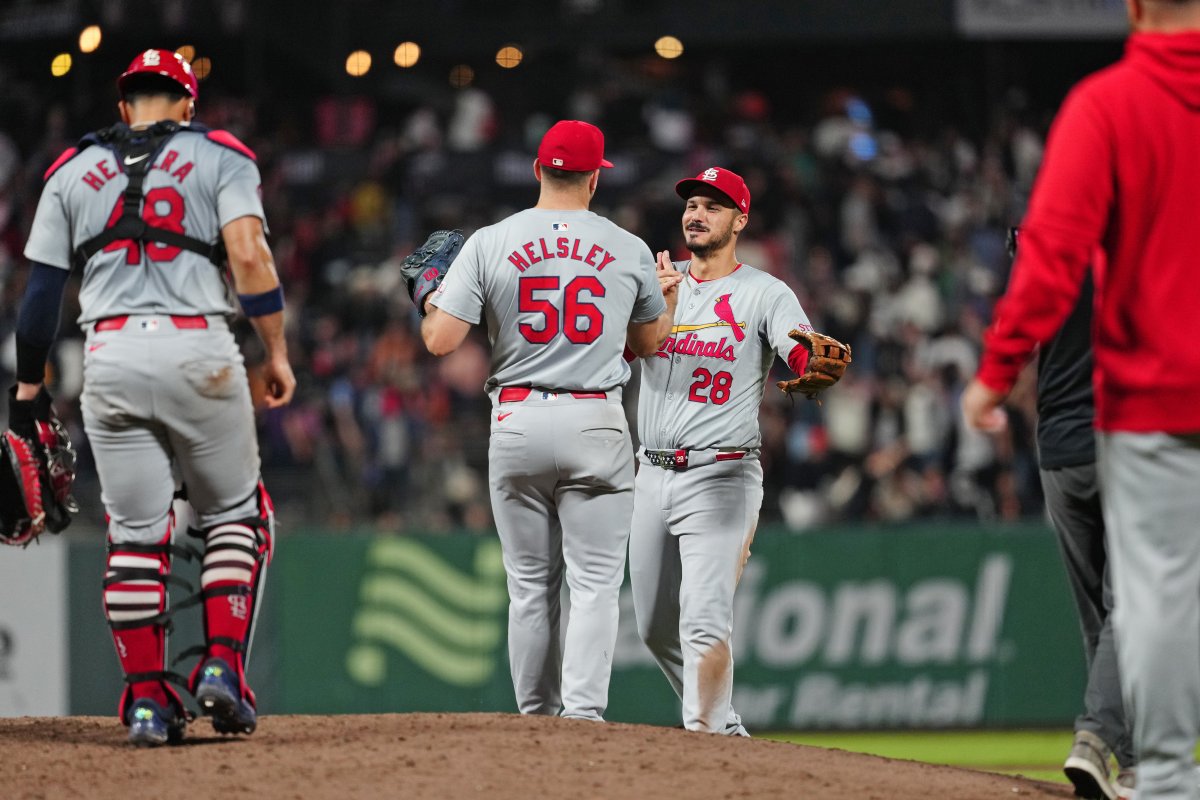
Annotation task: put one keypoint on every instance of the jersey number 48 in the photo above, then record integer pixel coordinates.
(162, 208)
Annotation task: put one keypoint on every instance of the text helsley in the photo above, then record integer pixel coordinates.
(564, 247)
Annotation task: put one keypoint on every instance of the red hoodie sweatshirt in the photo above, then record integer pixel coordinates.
(1121, 172)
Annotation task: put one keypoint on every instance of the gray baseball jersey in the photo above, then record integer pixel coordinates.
(165, 387)
(558, 289)
(693, 523)
(199, 183)
(704, 386)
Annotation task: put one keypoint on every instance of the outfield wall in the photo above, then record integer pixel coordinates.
(942, 626)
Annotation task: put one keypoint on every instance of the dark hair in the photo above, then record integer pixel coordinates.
(148, 85)
(564, 178)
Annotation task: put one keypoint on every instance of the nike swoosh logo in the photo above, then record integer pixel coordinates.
(504, 416)
(129, 161)
(96, 346)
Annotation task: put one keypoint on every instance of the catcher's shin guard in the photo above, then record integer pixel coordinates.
(232, 577)
(135, 604)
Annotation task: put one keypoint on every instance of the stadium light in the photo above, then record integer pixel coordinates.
(188, 52)
(668, 47)
(509, 56)
(61, 65)
(407, 54)
(461, 76)
(202, 66)
(89, 39)
(358, 63)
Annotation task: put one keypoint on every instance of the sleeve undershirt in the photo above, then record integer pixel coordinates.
(37, 321)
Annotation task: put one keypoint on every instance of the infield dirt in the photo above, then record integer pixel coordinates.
(494, 756)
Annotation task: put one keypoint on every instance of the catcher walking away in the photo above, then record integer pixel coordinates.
(150, 211)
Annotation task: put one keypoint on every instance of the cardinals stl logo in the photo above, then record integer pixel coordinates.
(725, 313)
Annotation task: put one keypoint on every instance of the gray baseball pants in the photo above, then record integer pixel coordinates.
(561, 480)
(691, 538)
(1150, 485)
(1073, 503)
(155, 397)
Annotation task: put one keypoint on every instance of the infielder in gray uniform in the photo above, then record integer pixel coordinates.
(561, 290)
(699, 484)
(146, 209)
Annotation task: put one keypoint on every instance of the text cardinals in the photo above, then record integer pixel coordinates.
(539, 249)
(692, 345)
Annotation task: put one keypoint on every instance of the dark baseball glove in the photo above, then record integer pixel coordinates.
(37, 470)
(424, 270)
(827, 362)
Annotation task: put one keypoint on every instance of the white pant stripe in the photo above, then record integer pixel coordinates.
(211, 576)
(134, 562)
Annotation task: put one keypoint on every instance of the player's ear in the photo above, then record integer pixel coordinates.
(191, 111)
(593, 182)
(537, 170)
(123, 108)
(741, 222)
(1136, 11)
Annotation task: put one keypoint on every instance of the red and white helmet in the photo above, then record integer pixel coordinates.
(162, 62)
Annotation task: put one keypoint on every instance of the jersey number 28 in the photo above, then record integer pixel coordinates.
(575, 310)
(718, 385)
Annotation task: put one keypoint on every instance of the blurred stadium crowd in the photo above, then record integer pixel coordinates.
(889, 226)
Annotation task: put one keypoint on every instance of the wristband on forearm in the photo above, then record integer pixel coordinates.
(259, 305)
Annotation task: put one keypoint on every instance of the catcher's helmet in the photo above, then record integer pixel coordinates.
(167, 63)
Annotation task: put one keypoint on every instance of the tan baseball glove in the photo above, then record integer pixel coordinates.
(827, 362)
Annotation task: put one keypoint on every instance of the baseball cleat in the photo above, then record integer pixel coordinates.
(220, 697)
(1087, 766)
(1126, 784)
(151, 725)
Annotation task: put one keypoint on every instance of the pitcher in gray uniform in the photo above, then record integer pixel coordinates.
(148, 210)
(699, 483)
(561, 290)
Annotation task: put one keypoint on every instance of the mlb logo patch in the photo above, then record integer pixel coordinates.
(559, 226)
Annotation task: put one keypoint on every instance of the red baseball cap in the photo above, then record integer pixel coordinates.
(167, 63)
(727, 183)
(573, 146)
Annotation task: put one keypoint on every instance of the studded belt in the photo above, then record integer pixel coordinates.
(679, 460)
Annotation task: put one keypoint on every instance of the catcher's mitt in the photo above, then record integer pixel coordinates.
(424, 270)
(37, 470)
(827, 362)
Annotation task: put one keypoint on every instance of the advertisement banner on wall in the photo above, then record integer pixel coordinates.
(393, 624)
(948, 628)
(1032, 19)
(33, 629)
(952, 628)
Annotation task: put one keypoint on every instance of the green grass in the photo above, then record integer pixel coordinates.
(1035, 754)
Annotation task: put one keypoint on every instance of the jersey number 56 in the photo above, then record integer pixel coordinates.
(580, 321)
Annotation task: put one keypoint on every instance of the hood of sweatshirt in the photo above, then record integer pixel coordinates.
(1171, 60)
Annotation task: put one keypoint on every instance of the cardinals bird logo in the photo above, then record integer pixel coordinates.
(725, 313)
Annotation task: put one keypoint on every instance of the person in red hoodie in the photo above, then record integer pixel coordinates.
(1122, 172)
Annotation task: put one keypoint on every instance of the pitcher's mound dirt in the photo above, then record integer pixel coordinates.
(493, 756)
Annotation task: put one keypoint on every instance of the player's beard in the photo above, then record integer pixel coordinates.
(714, 244)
